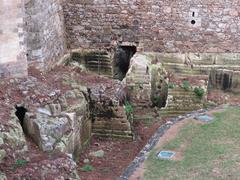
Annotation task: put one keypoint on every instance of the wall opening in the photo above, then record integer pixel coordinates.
(20, 113)
(193, 22)
(159, 95)
(227, 82)
(121, 61)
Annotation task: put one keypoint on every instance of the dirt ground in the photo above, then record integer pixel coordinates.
(118, 153)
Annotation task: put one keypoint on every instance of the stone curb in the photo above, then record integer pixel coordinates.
(142, 156)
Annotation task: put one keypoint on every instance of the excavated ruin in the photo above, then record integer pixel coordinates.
(72, 71)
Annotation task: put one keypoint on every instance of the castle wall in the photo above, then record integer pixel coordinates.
(161, 26)
(44, 31)
(13, 61)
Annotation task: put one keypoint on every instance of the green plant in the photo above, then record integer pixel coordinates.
(128, 108)
(186, 85)
(199, 92)
(19, 163)
(87, 168)
(171, 85)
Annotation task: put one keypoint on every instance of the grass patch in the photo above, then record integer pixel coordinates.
(212, 151)
(87, 168)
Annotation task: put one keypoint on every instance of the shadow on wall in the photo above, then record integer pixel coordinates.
(121, 61)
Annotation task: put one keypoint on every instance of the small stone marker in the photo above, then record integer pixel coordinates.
(166, 154)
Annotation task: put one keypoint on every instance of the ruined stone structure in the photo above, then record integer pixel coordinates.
(43, 31)
(186, 40)
(151, 53)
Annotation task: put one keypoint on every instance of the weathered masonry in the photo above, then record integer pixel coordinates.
(43, 31)
(13, 61)
(160, 26)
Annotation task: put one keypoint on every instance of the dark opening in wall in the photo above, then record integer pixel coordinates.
(20, 113)
(121, 61)
(193, 22)
(227, 82)
(159, 94)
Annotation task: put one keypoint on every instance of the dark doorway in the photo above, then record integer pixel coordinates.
(227, 82)
(20, 113)
(121, 61)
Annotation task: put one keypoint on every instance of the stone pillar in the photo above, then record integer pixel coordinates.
(13, 61)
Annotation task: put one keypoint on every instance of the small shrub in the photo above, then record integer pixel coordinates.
(19, 163)
(87, 168)
(128, 108)
(171, 85)
(186, 85)
(199, 92)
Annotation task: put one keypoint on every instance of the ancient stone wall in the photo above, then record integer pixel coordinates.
(162, 26)
(13, 61)
(44, 25)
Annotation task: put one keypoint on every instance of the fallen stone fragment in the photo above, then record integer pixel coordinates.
(2, 155)
(99, 153)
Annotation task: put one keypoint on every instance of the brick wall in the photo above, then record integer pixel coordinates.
(44, 31)
(13, 60)
(157, 25)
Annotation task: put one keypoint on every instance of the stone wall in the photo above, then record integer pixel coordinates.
(225, 79)
(13, 61)
(162, 26)
(44, 25)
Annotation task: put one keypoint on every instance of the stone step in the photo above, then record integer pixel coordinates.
(118, 127)
(180, 90)
(195, 76)
(180, 94)
(187, 70)
(138, 118)
(183, 102)
(174, 113)
(185, 108)
(107, 135)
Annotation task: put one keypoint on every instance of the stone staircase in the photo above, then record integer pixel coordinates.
(117, 127)
(97, 62)
(182, 71)
(180, 102)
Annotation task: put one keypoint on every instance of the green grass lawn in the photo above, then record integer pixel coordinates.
(212, 151)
